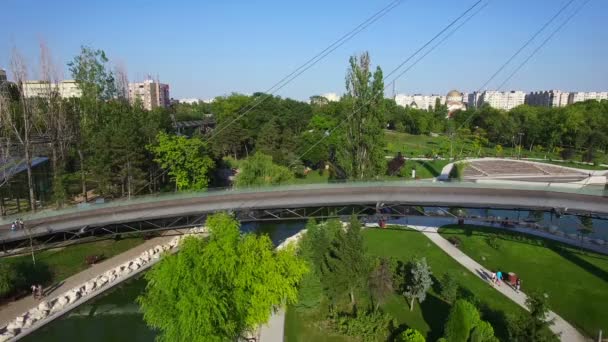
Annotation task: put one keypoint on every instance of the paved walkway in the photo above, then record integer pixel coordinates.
(11, 310)
(275, 329)
(566, 331)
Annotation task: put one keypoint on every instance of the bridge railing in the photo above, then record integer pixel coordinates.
(158, 197)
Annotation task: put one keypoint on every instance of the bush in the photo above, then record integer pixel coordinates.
(412, 335)
(462, 319)
(449, 287)
(10, 279)
(454, 240)
(366, 326)
(493, 241)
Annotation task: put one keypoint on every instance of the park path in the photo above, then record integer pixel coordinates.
(564, 329)
(274, 330)
(9, 311)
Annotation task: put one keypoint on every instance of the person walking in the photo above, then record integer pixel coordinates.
(493, 280)
(40, 293)
(34, 288)
(498, 277)
(14, 225)
(517, 285)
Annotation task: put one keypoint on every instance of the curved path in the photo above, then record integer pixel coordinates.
(561, 327)
(586, 200)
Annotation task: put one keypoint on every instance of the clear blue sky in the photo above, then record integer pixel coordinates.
(209, 48)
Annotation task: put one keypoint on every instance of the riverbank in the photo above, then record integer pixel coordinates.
(27, 315)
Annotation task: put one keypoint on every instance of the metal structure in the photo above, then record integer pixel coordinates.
(368, 200)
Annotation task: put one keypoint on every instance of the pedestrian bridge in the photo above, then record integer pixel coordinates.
(527, 196)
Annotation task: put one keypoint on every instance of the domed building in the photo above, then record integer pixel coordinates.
(454, 102)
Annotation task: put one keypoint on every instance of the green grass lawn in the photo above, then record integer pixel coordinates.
(313, 177)
(426, 146)
(576, 281)
(429, 317)
(58, 264)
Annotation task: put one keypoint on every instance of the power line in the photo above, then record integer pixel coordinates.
(555, 31)
(302, 68)
(313, 61)
(510, 59)
(542, 28)
(469, 9)
(443, 39)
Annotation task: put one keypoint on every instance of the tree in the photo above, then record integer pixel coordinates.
(96, 82)
(483, 332)
(533, 325)
(186, 159)
(462, 319)
(449, 287)
(412, 335)
(19, 118)
(381, 281)
(347, 263)
(418, 282)
(218, 288)
(361, 154)
(259, 170)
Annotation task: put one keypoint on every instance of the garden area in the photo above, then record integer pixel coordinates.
(52, 266)
(327, 314)
(575, 281)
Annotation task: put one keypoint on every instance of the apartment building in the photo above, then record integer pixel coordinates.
(152, 94)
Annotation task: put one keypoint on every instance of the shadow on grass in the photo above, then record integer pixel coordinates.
(435, 312)
(571, 256)
(430, 168)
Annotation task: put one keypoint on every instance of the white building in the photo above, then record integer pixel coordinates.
(505, 100)
(551, 98)
(66, 89)
(189, 101)
(331, 97)
(580, 96)
(151, 94)
(419, 101)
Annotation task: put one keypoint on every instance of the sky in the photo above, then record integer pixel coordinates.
(204, 49)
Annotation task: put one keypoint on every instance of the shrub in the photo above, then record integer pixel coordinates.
(454, 240)
(483, 332)
(493, 241)
(449, 287)
(366, 326)
(412, 335)
(462, 319)
(10, 279)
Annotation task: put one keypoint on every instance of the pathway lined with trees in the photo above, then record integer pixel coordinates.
(561, 327)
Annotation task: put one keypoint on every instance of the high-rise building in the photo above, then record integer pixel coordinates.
(151, 94)
(551, 98)
(580, 96)
(2, 75)
(505, 100)
(419, 101)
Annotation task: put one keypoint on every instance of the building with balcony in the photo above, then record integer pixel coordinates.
(152, 94)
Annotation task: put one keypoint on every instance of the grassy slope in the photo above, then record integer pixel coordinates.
(430, 316)
(576, 282)
(62, 263)
(423, 145)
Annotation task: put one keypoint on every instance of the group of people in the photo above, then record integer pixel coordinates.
(497, 278)
(17, 224)
(37, 292)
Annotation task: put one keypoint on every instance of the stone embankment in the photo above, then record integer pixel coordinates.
(51, 309)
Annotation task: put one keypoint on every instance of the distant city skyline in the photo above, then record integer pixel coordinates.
(204, 50)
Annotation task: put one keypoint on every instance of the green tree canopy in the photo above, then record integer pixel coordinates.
(412, 335)
(259, 170)
(418, 282)
(185, 158)
(219, 287)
